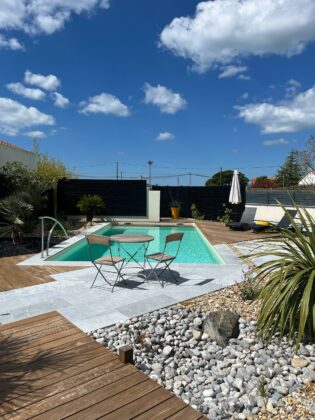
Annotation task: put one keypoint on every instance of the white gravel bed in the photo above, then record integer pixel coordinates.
(232, 382)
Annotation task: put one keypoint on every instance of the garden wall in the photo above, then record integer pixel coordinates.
(209, 200)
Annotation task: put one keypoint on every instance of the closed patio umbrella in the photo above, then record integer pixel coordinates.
(235, 192)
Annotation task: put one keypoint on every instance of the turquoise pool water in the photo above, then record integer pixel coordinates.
(194, 248)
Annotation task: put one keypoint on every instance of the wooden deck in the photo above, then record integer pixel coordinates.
(13, 276)
(49, 369)
(217, 233)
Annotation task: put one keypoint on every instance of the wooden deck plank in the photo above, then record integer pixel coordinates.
(37, 329)
(22, 323)
(13, 276)
(162, 411)
(70, 348)
(55, 401)
(117, 381)
(139, 406)
(58, 371)
(121, 397)
(187, 413)
(38, 387)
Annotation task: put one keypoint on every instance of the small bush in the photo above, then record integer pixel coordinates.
(227, 216)
(195, 213)
(249, 288)
(91, 205)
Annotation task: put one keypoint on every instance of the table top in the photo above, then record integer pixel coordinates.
(132, 238)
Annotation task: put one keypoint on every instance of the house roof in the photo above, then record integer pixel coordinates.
(14, 146)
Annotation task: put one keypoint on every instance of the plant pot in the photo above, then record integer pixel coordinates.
(175, 212)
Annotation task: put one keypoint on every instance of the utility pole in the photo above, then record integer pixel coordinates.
(178, 181)
(117, 170)
(120, 174)
(221, 176)
(190, 180)
(150, 163)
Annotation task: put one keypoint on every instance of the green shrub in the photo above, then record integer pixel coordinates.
(196, 213)
(14, 210)
(226, 218)
(91, 205)
(288, 297)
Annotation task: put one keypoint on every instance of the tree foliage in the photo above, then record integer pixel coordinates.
(225, 178)
(264, 182)
(291, 172)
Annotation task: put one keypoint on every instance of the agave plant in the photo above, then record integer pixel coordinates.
(13, 210)
(288, 296)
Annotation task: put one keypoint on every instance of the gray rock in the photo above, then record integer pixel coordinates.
(221, 326)
(167, 350)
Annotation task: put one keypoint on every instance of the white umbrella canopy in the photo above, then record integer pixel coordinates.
(235, 192)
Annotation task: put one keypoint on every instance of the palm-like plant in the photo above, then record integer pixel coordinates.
(288, 297)
(13, 210)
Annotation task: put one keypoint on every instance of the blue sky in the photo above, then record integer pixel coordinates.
(226, 84)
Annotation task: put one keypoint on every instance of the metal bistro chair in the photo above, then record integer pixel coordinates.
(161, 258)
(109, 260)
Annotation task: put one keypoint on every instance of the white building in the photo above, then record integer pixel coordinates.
(12, 153)
(308, 180)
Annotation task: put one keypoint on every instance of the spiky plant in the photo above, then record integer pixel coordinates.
(13, 211)
(288, 296)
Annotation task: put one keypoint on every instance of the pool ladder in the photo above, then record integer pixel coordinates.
(56, 222)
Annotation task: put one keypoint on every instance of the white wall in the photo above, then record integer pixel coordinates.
(153, 205)
(274, 213)
(15, 154)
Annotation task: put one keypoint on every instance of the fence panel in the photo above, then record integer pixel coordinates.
(209, 200)
(122, 197)
(305, 198)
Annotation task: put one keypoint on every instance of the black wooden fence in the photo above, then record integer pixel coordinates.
(209, 200)
(263, 197)
(122, 197)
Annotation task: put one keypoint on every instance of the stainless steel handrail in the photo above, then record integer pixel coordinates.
(56, 222)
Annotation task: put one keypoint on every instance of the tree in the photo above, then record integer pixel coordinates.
(307, 156)
(290, 173)
(264, 182)
(50, 170)
(225, 178)
(90, 205)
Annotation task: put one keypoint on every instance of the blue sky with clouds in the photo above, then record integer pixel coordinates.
(192, 86)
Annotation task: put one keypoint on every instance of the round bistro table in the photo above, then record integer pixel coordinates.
(142, 240)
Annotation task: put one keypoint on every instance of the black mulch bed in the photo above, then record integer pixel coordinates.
(29, 245)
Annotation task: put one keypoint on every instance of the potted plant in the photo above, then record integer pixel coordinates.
(91, 205)
(175, 208)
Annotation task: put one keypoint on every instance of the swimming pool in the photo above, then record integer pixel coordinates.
(194, 248)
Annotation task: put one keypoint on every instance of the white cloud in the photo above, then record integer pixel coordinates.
(276, 142)
(36, 134)
(287, 116)
(49, 82)
(30, 93)
(104, 103)
(15, 117)
(43, 16)
(295, 83)
(231, 71)
(59, 100)
(10, 43)
(165, 99)
(245, 95)
(225, 30)
(165, 135)
(244, 77)
(292, 88)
